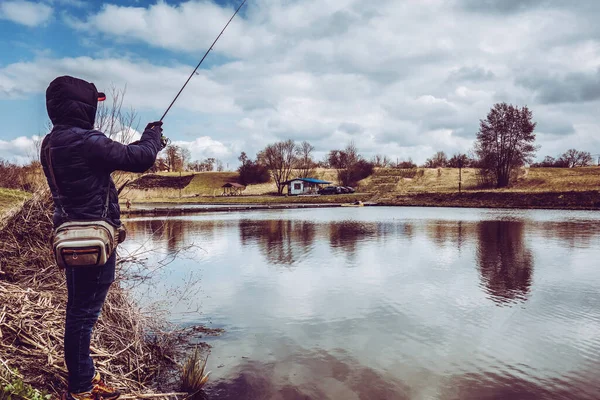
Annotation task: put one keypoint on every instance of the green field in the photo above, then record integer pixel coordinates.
(10, 198)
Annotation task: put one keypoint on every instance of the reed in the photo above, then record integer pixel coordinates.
(131, 349)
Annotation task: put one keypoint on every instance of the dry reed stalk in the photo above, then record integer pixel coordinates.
(130, 349)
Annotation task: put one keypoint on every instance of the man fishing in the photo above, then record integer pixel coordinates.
(77, 162)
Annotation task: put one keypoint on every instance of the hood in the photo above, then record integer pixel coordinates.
(72, 101)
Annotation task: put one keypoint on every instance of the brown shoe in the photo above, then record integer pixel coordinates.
(79, 396)
(102, 390)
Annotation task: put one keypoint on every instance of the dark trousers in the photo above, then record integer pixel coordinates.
(87, 287)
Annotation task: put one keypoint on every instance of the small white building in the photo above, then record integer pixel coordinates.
(304, 186)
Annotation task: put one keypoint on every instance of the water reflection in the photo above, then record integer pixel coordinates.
(505, 263)
(438, 303)
(309, 374)
(283, 241)
(450, 233)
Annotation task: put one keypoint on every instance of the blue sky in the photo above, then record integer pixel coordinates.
(404, 78)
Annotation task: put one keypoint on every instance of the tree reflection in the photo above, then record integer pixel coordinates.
(572, 234)
(283, 241)
(505, 263)
(346, 235)
(173, 233)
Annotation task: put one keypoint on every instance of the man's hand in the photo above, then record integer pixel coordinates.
(154, 125)
(164, 141)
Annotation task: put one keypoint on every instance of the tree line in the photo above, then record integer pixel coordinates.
(177, 158)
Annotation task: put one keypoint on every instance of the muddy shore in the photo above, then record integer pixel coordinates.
(574, 200)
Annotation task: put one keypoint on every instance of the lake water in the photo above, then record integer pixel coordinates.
(385, 303)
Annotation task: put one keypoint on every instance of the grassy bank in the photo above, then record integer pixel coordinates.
(541, 187)
(10, 198)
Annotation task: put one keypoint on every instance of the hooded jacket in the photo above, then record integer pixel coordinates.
(83, 158)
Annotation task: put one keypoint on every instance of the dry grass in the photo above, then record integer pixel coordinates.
(445, 180)
(131, 349)
(559, 180)
(418, 180)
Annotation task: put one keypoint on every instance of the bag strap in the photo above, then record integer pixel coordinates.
(51, 171)
(105, 211)
(58, 200)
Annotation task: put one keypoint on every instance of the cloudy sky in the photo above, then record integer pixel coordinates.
(404, 78)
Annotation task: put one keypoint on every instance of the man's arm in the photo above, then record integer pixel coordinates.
(136, 157)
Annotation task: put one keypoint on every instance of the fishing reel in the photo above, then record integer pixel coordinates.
(164, 141)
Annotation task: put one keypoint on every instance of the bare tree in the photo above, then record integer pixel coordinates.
(350, 165)
(172, 157)
(185, 155)
(219, 165)
(505, 142)
(304, 159)
(439, 160)
(117, 124)
(113, 121)
(279, 158)
(381, 161)
(574, 158)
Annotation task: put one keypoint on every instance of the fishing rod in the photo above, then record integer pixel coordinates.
(200, 63)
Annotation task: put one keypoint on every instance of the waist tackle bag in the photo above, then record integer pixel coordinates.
(84, 243)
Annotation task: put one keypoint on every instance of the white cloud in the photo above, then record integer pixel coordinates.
(21, 150)
(204, 147)
(25, 12)
(190, 26)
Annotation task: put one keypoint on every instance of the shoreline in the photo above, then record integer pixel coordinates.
(573, 200)
(177, 209)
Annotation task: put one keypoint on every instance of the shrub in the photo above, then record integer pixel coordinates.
(253, 172)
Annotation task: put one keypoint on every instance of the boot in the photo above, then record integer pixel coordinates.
(102, 390)
(79, 396)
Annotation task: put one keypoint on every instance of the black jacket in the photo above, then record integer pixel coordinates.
(83, 158)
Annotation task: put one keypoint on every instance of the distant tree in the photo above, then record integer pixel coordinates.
(324, 163)
(159, 165)
(243, 158)
(551, 162)
(408, 164)
(185, 156)
(350, 165)
(279, 158)
(573, 158)
(172, 157)
(439, 160)
(380, 161)
(458, 161)
(304, 160)
(505, 142)
(253, 172)
(219, 165)
(207, 165)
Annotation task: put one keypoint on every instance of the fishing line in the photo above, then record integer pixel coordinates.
(200, 63)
